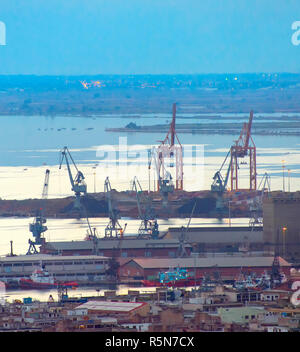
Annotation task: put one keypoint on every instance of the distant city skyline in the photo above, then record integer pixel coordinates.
(76, 37)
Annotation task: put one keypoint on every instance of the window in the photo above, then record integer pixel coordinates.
(246, 316)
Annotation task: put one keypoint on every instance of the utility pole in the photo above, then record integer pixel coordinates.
(283, 185)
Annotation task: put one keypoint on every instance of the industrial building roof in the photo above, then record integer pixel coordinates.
(226, 261)
(114, 243)
(45, 257)
(111, 306)
(218, 234)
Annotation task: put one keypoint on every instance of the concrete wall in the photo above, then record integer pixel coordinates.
(281, 213)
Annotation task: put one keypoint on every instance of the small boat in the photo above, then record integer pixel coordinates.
(41, 279)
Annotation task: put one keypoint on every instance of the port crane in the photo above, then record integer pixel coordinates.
(257, 204)
(113, 228)
(77, 183)
(181, 251)
(148, 227)
(38, 227)
(244, 146)
(219, 185)
(169, 150)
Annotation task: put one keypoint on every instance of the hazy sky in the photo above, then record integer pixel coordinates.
(148, 36)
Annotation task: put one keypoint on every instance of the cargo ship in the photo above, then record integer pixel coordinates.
(41, 279)
(173, 278)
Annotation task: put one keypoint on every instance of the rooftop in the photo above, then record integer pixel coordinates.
(219, 234)
(45, 257)
(112, 243)
(111, 306)
(241, 262)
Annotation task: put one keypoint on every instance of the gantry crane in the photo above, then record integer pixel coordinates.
(37, 228)
(113, 229)
(148, 227)
(168, 150)
(244, 146)
(78, 184)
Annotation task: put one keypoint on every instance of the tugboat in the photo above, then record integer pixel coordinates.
(41, 279)
(173, 278)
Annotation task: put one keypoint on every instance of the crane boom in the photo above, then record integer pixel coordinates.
(248, 129)
(242, 144)
(241, 149)
(77, 183)
(46, 184)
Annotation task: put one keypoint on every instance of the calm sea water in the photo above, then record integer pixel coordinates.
(30, 144)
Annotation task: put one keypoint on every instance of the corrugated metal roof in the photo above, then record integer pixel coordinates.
(241, 262)
(218, 235)
(219, 229)
(115, 243)
(111, 306)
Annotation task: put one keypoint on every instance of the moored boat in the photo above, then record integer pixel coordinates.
(173, 278)
(41, 279)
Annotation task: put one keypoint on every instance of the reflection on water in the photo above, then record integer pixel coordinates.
(88, 291)
(28, 149)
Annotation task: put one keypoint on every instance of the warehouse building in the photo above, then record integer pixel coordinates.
(83, 269)
(116, 247)
(228, 267)
(220, 239)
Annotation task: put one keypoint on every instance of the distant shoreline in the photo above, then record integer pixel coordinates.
(262, 128)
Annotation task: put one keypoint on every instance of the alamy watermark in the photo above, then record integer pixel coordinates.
(2, 33)
(295, 39)
(123, 161)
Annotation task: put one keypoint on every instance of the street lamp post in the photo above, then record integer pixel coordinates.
(284, 229)
(289, 176)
